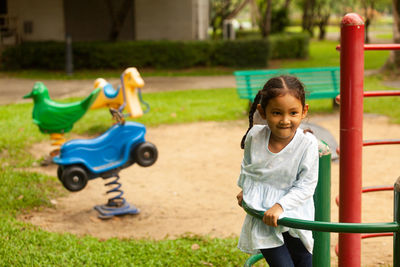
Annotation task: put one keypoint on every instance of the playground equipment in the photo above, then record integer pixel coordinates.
(119, 147)
(351, 121)
(127, 97)
(321, 255)
(57, 118)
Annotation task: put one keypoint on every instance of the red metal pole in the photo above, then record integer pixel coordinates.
(381, 142)
(382, 47)
(381, 93)
(351, 141)
(378, 47)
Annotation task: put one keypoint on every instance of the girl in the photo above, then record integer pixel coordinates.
(279, 174)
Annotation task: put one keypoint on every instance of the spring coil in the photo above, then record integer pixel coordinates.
(117, 200)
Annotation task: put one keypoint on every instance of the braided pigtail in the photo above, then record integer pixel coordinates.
(251, 114)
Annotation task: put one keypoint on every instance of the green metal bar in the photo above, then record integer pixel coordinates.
(322, 203)
(341, 227)
(252, 260)
(329, 226)
(396, 235)
(321, 253)
(322, 200)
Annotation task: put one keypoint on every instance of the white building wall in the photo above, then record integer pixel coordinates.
(46, 18)
(171, 20)
(151, 20)
(201, 19)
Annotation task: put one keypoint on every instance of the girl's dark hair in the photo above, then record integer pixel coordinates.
(276, 86)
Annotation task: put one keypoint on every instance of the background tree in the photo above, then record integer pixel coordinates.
(369, 14)
(317, 13)
(264, 8)
(307, 23)
(393, 62)
(322, 12)
(271, 16)
(221, 10)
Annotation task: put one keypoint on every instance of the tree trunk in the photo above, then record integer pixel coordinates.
(322, 19)
(118, 18)
(367, 23)
(287, 4)
(393, 63)
(322, 27)
(369, 16)
(267, 21)
(308, 15)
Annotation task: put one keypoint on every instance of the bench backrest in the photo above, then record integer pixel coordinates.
(319, 82)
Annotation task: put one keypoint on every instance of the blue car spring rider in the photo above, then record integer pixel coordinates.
(122, 145)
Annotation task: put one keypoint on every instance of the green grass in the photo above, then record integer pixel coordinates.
(175, 107)
(388, 106)
(25, 245)
(329, 29)
(324, 54)
(385, 36)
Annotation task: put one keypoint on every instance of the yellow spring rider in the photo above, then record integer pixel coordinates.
(128, 99)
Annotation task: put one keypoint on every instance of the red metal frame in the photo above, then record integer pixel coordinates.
(365, 236)
(351, 120)
(381, 142)
(370, 189)
(381, 93)
(376, 235)
(351, 142)
(377, 188)
(377, 47)
(381, 47)
(374, 94)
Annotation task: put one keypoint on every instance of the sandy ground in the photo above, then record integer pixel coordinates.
(192, 187)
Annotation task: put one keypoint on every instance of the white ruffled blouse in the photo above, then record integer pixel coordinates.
(288, 177)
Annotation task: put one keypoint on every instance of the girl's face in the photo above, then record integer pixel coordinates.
(283, 115)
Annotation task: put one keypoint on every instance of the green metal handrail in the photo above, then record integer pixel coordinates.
(322, 227)
(252, 260)
(330, 226)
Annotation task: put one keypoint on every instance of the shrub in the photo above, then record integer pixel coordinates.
(43, 55)
(252, 53)
(154, 54)
(289, 45)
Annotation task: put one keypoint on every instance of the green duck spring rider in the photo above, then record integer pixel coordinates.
(56, 118)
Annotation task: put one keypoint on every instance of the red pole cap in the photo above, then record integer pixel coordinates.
(352, 19)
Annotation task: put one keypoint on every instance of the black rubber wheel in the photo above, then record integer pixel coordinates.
(60, 171)
(74, 178)
(145, 154)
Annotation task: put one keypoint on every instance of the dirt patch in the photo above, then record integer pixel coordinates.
(192, 187)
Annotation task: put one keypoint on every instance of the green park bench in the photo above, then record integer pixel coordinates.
(319, 83)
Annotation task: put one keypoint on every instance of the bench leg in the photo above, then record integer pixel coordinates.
(335, 105)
